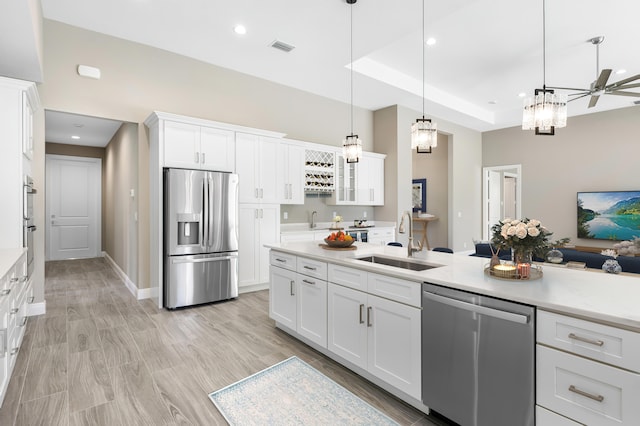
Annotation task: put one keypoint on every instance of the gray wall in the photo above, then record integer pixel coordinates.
(595, 152)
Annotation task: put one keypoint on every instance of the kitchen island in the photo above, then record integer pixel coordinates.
(601, 311)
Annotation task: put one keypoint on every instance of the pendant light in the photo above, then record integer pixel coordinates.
(424, 132)
(546, 110)
(351, 145)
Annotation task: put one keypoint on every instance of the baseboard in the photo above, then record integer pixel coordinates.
(144, 293)
(253, 287)
(34, 309)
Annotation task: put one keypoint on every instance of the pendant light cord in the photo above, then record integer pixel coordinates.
(423, 55)
(544, 47)
(351, 66)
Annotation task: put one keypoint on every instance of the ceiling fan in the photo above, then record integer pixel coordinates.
(599, 86)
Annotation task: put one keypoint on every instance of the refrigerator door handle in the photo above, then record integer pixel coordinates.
(205, 213)
(210, 216)
(202, 259)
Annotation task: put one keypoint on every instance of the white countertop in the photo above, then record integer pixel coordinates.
(8, 257)
(324, 226)
(591, 294)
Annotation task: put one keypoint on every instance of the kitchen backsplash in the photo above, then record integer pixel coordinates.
(302, 213)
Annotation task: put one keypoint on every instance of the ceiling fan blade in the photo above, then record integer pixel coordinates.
(568, 88)
(627, 86)
(581, 96)
(602, 79)
(593, 101)
(626, 80)
(586, 92)
(621, 93)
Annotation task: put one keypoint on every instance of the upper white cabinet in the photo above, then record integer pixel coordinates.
(290, 170)
(198, 147)
(360, 183)
(256, 165)
(370, 180)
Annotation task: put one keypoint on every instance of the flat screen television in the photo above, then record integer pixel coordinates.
(609, 215)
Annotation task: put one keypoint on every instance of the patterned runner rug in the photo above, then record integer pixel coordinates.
(293, 393)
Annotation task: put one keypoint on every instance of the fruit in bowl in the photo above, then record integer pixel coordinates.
(339, 239)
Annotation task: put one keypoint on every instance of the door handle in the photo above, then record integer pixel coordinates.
(309, 282)
(586, 340)
(202, 259)
(369, 324)
(361, 313)
(574, 389)
(203, 160)
(292, 286)
(197, 157)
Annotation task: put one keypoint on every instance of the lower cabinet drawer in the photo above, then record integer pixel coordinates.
(586, 391)
(282, 260)
(312, 268)
(545, 417)
(349, 277)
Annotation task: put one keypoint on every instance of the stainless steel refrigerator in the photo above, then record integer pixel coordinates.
(200, 237)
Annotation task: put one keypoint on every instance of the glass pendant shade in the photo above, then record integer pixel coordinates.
(424, 135)
(545, 112)
(352, 148)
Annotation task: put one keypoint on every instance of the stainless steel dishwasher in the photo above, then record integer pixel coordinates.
(478, 357)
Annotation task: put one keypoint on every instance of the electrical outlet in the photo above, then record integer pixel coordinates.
(364, 215)
(285, 215)
(334, 215)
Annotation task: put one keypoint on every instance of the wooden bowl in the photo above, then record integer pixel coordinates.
(337, 243)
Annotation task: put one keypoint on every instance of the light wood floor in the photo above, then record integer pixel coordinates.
(101, 357)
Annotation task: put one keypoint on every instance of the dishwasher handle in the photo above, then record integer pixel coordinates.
(483, 310)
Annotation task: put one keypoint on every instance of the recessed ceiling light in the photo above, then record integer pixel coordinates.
(522, 94)
(430, 41)
(78, 125)
(240, 29)
(75, 137)
(621, 71)
(493, 102)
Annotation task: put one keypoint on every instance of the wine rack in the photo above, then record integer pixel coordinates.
(319, 171)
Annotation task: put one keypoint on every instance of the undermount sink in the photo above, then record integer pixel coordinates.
(398, 263)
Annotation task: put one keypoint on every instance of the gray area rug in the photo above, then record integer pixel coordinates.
(293, 393)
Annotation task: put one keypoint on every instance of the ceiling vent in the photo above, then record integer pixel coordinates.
(281, 45)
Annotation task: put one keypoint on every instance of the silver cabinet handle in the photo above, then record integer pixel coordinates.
(586, 340)
(5, 292)
(280, 260)
(256, 193)
(261, 192)
(31, 299)
(361, 314)
(14, 311)
(203, 160)
(292, 286)
(15, 350)
(369, 324)
(574, 389)
(14, 279)
(24, 322)
(309, 282)
(197, 157)
(311, 268)
(261, 214)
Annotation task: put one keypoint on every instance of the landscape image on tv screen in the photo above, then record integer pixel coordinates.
(609, 215)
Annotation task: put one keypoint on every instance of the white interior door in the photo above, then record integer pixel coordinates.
(502, 192)
(73, 207)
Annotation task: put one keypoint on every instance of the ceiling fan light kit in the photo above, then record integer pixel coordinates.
(546, 110)
(351, 145)
(424, 132)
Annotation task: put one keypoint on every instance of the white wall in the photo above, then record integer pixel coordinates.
(595, 152)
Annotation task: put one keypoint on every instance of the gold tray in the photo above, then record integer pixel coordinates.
(514, 274)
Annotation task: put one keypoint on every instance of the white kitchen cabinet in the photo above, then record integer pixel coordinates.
(312, 308)
(192, 146)
(587, 372)
(347, 328)
(282, 296)
(290, 168)
(256, 165)
(259, 224)
(370, 180)
(15, 294)
(18, 101)
(381, 236)
(345, 182)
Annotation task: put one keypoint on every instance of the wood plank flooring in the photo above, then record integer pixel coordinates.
(101, 357)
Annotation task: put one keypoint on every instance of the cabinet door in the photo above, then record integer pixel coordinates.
(347, 327)
(312, 309)
(394, 342)
(248, 244)
(282, 297)
(376, 179)
(345, 182)
(181, 145)
(290, 174)
(217, 149)
(247, 153)
(268, 167)
(269, 233)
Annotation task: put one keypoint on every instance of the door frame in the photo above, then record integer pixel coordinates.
(512, 170)
(98, 206)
